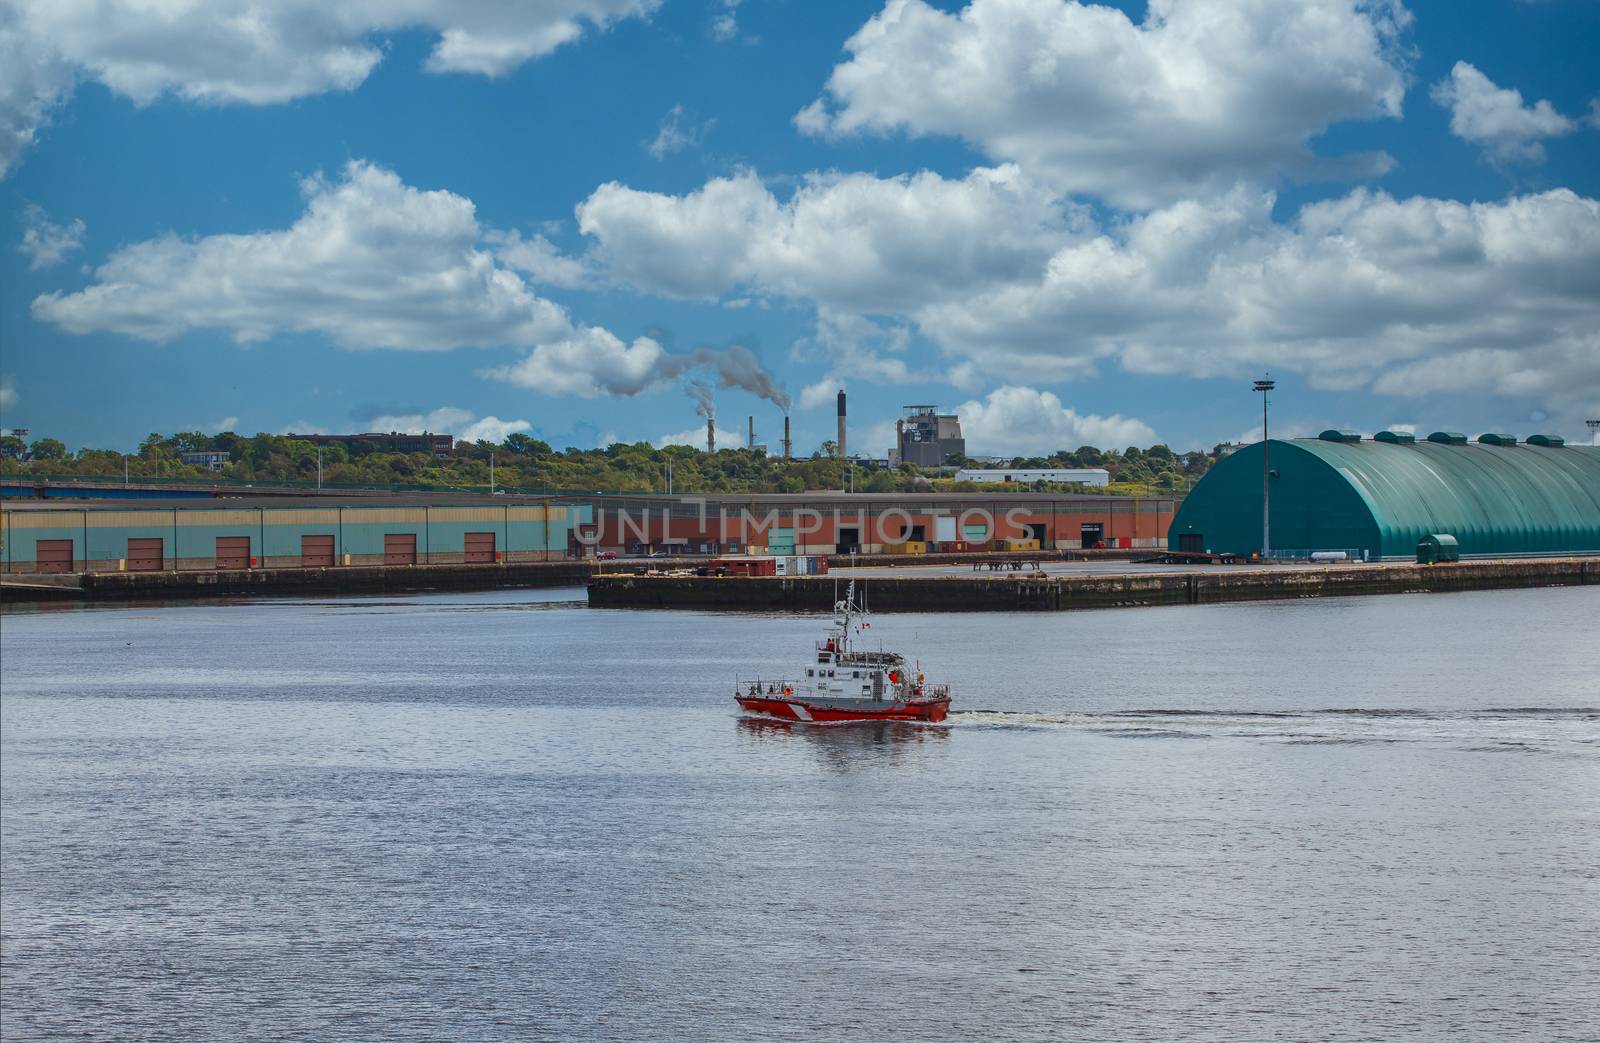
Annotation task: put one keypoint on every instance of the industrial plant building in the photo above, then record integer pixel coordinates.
(1383, 497)
(925, 437)
(237, 534)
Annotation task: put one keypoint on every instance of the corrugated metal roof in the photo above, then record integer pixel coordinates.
(1494, 499)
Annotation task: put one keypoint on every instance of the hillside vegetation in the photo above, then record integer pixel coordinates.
(521, 462)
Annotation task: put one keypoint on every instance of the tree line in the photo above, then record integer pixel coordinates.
(522, 462)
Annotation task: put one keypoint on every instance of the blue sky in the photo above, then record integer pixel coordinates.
(1077, 225)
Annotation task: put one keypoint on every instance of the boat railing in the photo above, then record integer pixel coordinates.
(936, 691)
(766, 687)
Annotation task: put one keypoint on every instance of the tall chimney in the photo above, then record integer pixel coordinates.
(750, 443)
(841, 424)
(786, 445)
(711, 435)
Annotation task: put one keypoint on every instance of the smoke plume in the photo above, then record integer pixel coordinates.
(593, 362)
(700, 391)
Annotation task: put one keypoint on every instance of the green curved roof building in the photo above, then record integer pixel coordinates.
(1498, 496)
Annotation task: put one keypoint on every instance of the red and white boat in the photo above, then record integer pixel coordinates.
(844, 684)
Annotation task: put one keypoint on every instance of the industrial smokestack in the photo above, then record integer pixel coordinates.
(750, 443)
(711, 434)
(841, 424)
(787, 447)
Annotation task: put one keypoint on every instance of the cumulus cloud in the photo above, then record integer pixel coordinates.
(854, 346)
(1029, 421)
(34, 79)
(463, 424)
(46, 243)
(540, 260)
(1197, 96)
(1404, 296)
(247, 52)
(733, 438)
(590, 362)
(8, 393)
(227, 423)
(859, 242)
(1496, 118)
(372, 263)
(677, 132)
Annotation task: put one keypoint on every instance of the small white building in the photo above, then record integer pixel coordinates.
(1079, 475)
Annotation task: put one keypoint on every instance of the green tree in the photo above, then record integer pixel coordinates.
(48, 450)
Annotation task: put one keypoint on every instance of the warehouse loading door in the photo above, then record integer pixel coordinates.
(849, 540)
(1091, 534)
(316, 552)
(233, 552)
(52, 556)
(479, 546)
(400, 548)
(145, 555)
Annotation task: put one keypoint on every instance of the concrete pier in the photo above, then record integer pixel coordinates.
(357, 579)
(1054, 593)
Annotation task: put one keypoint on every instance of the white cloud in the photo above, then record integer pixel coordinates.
(696, 436)
(8, 393)
(854, 346)
(46, 243)
(1025, 420)
(589, 362)
(34, 79)
(227, 423)
(819, 393)
(725, 23)
(677, 132)
(248, 52)
(492, 429)
(372, 263)
(540, 260)
(463, 424)
(1199, 95)
(1404, 296)
(375, 263)
(858, 242)
(1496, 118)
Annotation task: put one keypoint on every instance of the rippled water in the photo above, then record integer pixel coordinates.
(508, 816)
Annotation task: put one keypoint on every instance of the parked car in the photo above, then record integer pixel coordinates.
(606, 555)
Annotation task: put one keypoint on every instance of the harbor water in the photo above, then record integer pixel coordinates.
(509, 816)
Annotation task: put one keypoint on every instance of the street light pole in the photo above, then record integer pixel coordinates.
(1265, 387)
(1594, 431)
(319, 468)
(491, 474)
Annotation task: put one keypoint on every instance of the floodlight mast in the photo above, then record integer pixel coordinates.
(1265, 387)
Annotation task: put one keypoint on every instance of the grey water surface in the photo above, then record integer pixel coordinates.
(509, 816)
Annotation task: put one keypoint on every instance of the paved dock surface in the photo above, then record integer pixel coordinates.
(1062, 586)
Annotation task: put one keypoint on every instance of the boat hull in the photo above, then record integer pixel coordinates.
(791, 709)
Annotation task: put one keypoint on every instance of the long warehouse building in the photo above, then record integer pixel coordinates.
(1382, 497)
(148, 537)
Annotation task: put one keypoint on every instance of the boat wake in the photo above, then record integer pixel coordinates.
(1532, 729)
